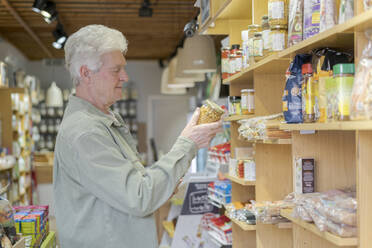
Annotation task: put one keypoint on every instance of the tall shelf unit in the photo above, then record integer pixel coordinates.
(341, 150)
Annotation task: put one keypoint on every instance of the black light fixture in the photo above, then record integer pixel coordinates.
(145, 10)
(38, 5)
(49, 10)
(60, 36)
(51, 19)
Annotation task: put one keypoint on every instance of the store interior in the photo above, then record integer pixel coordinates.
(291, 81)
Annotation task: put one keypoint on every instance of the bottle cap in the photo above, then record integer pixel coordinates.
(235, 46)
(307, 68)
(343, 69)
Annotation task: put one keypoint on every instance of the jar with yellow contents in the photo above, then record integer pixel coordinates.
(278, 38)
(278, 12)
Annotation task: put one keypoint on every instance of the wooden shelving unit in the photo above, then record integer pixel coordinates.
(342, 150)
(334, 239)
(240, 180)
(244, 226)
(238, 117)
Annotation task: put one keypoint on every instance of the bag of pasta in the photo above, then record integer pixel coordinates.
(361, 101)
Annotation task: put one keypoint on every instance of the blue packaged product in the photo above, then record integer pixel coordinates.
(292, 97)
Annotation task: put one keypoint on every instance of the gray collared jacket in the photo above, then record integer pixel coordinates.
(103, 195)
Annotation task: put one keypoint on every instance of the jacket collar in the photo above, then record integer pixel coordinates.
(78, 104)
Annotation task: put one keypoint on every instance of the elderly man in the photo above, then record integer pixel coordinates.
(104, 197)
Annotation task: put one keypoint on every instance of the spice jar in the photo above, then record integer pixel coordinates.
(278, 12)
(234, 105)
(210, 112)
(225, 51)
(278, 38)
(245, 52)
(257, 46)
(247, 101)
(344, 80)
(232, 57)
(251, 30)
(238, 61)
(265, 34)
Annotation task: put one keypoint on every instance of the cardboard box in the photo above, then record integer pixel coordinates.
(44, 173)
(304, 175)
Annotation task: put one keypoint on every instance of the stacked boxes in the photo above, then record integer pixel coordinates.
(32, 222)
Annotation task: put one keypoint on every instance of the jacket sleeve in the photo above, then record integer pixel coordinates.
(126, 185)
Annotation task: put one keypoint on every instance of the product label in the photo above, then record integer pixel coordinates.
(265, 38)
(345, 87)
(231, 66)
(225, 65)
(244, 102)
(251, 103)
(276, 10)
(238, 64)
(250, 47)
(258, 48)
(278, 41)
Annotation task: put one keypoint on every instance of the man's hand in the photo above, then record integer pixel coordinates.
(201, 134)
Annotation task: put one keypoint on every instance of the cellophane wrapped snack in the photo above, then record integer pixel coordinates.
(295, 24)
(361, 99)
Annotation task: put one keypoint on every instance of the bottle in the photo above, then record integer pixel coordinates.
(344, 80)
(308, 94)
(265, 34)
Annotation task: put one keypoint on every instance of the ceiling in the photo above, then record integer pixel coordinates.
(153, 37)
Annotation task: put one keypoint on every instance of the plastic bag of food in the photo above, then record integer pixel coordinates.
(328, 14)
(319, 220)
(342, 230)
(346, 11)
(311, 18)
(300, 213)
(295, 24)
(361, 99)
(367, 4)
(6, 219)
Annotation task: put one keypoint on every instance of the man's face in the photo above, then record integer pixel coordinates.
(108, 81)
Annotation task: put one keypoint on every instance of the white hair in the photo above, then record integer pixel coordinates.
(86, 46)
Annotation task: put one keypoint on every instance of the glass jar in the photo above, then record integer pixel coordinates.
(257, 46)
(245, 58)
(254, 28)
(232, 59)
(265, 34)
(225, 51)
(278, 12)
(247, 101)
(277, 38)
(238, 61)
(234, 105)
(308, 94)
(344, 80)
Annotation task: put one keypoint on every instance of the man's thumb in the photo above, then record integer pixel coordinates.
(195, 117)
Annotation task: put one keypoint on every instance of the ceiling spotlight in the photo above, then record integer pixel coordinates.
(49, 10)
(56, 45)
(38, 5)
(190, 28)
(145, 10)
(59, 34)
(51, 19)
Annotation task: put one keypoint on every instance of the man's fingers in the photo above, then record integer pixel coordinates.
(195, 117)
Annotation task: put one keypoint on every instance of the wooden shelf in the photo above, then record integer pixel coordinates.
(244, 226)
(239, 117)
(346, 125)
(274, 141)
(240, 180)
(226, 10)
(334, 239)
(340, 36)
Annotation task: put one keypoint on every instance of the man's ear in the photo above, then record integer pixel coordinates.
(85, 74)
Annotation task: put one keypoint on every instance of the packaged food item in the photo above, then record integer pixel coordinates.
(328, 14)
(367, 4)
(265, 34)
(245, 47)
(278, 38)
(295, 24)
(292, 96)
(234, 59)
(257, 46)
(210, 112)
(278, 12)
(308, 87)
(311, 18)
(331, 94)
(249, 170)
(234, 105)
(361, 102)
(323, 104)
(252, 29)
(247, 101)
(346, 11)
(344, 80)
(342, 230)
(304, 176)
(225, 51)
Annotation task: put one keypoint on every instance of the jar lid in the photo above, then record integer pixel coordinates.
(247, 90)
(235, 46)
(278, 27)
(257, 34)
(233, 98)
(225, 48)
(252, 26)
(265, 17)
(307, 68)
(214, 106)
(344, 69)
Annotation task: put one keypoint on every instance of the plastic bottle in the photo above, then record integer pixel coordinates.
(308, 94)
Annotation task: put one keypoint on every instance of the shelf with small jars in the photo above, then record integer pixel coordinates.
(341, 149)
